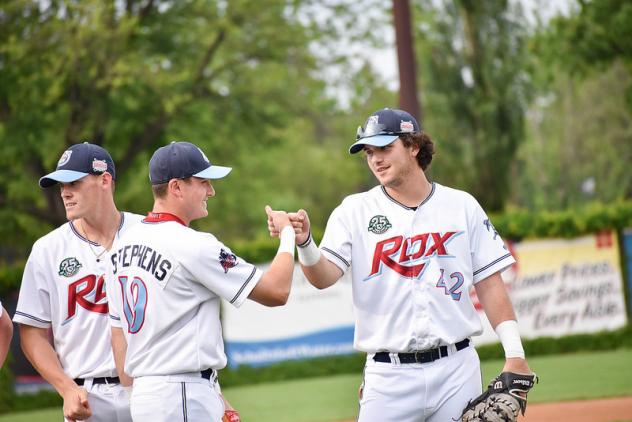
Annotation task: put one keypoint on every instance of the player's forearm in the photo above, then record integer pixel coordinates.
(320, 272)
(323, 274)
(40, 353)
(493, 297)
(119, 350)
(274, 287)
(6, 333)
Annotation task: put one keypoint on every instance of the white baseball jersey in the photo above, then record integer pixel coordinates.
(63, 288)
(164, 288)
(413, 268)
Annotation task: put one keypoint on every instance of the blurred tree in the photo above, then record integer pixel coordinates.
(238, 78)
(475, 86)
(580, 123)
(598, 34)
(590, 40)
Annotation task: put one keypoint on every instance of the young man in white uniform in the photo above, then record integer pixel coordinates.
(6, 333)
(416, 249)
(63, 290)
(165, 285)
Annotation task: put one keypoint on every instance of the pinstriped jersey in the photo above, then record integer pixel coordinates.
(413, 267)
(164, 286)
(63, 288)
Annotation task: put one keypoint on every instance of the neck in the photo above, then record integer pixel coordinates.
(162, 207)
(102, 226)
(412, 191)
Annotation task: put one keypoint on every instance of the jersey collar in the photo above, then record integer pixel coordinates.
(161, 217)
(432, 191)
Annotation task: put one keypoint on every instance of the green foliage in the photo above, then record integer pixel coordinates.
(7, 394)
(292, 370)
(597, 35)
(571, 223)
(242, 79)
(474, 74)
(579, 143)
(10, 278)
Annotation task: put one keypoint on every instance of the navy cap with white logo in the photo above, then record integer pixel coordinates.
(180, 160)
(383, 127)
(79, 161)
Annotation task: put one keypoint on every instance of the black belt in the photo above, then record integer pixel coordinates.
(99, 380)
(422, 357)
(208, 373)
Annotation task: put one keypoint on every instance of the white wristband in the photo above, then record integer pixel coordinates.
(308, 252)
(288, 241)
(509, 336)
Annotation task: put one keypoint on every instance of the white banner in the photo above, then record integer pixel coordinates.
(313, 323)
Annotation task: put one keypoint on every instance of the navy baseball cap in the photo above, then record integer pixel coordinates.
(383, 127)
(79, 161)
(180, 160)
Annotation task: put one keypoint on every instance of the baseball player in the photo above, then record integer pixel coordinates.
(164, 288)
(6, 333)
(63, 290)
(416, 248)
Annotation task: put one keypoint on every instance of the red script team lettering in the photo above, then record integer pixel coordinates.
(409, 249)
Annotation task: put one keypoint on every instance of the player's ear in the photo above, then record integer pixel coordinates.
(414, 150)
(106, 180)
(174, 188)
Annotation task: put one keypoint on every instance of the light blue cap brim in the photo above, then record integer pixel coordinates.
(60, 176)
(213, 172)
(376, 141)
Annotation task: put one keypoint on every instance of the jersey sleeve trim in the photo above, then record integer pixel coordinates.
(337, 256)
(115, 321)
(243, 286)
(483, 272)
(24, 318)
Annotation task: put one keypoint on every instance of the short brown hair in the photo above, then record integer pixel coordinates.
(425, 144)
(160, 191)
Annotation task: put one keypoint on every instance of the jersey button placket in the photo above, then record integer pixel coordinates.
(419, 295)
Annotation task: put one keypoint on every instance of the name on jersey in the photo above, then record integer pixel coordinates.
(400, 253)
(143, 257)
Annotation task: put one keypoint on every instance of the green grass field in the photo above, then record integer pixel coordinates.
(563, 377)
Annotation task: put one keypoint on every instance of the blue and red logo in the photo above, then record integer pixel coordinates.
(227, 260)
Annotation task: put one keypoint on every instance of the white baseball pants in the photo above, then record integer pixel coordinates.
(173, 398)
(420, 392)
(108, 402)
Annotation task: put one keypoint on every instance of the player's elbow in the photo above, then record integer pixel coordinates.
(6, 329)
(279, 297)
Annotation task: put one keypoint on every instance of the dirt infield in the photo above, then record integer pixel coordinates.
(604, 410)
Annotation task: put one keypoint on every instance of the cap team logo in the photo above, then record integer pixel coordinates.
(65, 157)
(379, 224)
(227, 260)
(69, 267)
(406, 126)
(99, 166)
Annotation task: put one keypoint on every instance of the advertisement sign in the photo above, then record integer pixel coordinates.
(565, 286)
